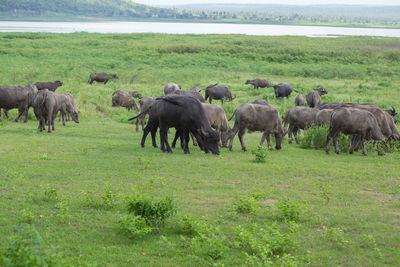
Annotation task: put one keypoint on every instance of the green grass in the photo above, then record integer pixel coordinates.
(71, 185)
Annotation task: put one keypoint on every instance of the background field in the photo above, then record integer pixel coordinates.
(349, 204)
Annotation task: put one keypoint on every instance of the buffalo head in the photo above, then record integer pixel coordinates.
(321, 91)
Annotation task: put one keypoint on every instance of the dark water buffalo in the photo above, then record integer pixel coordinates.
(171, 87)
(17, 97)
(218, 92)
(352, 121)
(185, 114)
(259, 83)
(314, 98)
(194, 94)
(125, 99)
(261, 101)
(145, 104)
(101, 77)
(282, 90)
(298, 118)
(218, 121)
(52, 86)
(300, 100)
(257, 118)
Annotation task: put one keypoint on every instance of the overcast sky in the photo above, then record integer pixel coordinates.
(288, 2)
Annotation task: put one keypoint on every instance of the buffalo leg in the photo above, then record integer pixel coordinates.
(263, 138)
(233, 133)
(335, 141)
(290, 134)
(5, 113)
(241, 135)
(164, 138)
(20, 112)
(175, 139)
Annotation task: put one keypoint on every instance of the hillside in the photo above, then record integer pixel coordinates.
(109, 8)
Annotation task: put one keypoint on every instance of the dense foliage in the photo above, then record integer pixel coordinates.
(123, 8)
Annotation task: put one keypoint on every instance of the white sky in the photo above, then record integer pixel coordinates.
(287, 2)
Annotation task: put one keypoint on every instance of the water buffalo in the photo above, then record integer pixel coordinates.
(218, 121)
(299, 118)
(46, 106)
(261, 101)
(352, 121)
(314, 98)
(52, 86)
(300, 100)
(145, 104)
(257, 118)
(259, 83)
(323, 117)
(218, 92)
(65, 107)
(125, 99)
(101, 77)
(170, 87)
(194, 94)
(17, 97)
(186, 114)
(282, 90)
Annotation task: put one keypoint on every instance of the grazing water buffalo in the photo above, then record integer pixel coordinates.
(186, 114)
(257, 118)
(101, 77)
(52, 86)
(194, 94)
(352, 121)
(282, 90)
(314, 98)
(65, 107)
(171, 87)
(125, 99)
(218, 121)
(300, 100)
(145, 104)
(17, 97)
(298, 119)
(259, 83)
(261, 101)
(323, 117)
(218, 92)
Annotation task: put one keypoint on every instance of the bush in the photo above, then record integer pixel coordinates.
(289, 210)
(154, 212)
(315, 137)
(135, 226)
(260, 154)
(27, 249)
(245, 205)
(263, 244)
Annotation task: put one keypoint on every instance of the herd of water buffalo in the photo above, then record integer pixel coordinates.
(207, 124)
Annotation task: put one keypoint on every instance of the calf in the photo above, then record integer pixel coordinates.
(52, 86)
(298, 119)
(101, 77)
(259, 83)
(314, 98)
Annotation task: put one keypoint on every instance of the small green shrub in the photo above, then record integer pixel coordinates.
(62, 212)
(109, 198)
(136, 226)
(289, 210)
(188, 226)
(336, 235)
(27, 248)
(154, 212)
(245, 205)
(260, 154)
(263, 244)
(314, 137)
(26, 216)
(50, 194)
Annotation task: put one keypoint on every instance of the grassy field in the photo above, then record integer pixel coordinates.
(64, 195)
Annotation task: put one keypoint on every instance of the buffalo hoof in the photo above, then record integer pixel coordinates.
(290, 141)
(230, 148)
(327, 152)
(337, 152)
(244, 149)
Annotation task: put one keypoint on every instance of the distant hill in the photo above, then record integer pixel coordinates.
(109, 8)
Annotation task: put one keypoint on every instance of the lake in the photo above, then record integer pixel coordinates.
(191, 28)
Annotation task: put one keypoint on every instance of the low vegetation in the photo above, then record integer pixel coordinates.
(88, 194)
